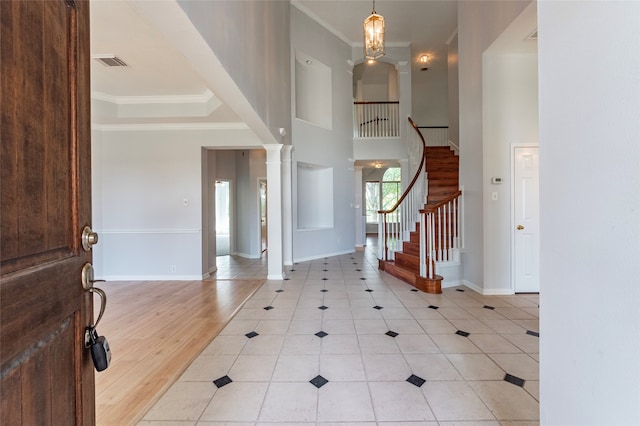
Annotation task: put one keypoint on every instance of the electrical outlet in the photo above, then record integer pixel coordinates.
(173, 268)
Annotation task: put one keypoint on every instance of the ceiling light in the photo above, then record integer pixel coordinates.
(377, 165)
(424, 59)
(374, 35)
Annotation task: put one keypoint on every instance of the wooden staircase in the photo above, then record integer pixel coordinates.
(442, 173)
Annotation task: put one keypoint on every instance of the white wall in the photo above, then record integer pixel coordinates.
(452, 88)
(140, 181)
(510, 116)
(589, 76)
(430, 91)
(323, 147)
(479, 24)
(250, 166)
(251, 39)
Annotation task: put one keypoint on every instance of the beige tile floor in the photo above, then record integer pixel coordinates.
(460, 380)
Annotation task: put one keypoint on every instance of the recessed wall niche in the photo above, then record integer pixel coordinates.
(313, 91)
(315, 196)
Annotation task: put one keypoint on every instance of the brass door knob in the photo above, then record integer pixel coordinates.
(519, 227)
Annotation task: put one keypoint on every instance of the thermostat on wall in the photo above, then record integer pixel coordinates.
(496, 180)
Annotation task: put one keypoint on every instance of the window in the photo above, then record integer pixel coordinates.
(383, 195)
(373, 201)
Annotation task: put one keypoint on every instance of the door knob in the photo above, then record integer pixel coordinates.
(89, 238)
(519, 227)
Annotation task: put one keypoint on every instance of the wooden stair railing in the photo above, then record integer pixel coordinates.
(442, 233)
(429, 229)
(404, 213)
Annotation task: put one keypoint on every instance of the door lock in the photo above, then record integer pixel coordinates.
(519, 227)
(89, 238)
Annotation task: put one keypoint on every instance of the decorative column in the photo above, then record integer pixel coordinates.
(359, 209)
(275, 269)
(287, 207)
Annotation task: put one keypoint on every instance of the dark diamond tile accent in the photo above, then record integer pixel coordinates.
(252, 335)
(268, 308)
(325, 270)
(318, 381)
(378, 307)
(293, 270)
(514, 380)
(325, 263)
(324, 290)
(287, 279)
(462, 333)
(391, 333)
(533, 333)
(363, 278)
(355, 263)
(488, 307)
(222, 381)
(433, 307)
(358, 270)
(414, 289)
(323, 307)
(415, 380)
(321, 334)
(369, 290)
(459, 289)
(279, 290)
(325, 279)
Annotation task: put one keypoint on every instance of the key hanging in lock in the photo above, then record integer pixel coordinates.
(99, 346)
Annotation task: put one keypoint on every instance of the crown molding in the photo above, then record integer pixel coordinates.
(204, 97)
(154, 127)
(322, 22)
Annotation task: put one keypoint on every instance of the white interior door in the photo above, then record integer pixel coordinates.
(526, 223)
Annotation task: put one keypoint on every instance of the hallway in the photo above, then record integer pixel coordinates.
(339, 342)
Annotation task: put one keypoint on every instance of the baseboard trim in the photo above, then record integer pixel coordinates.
(451, 284)
(498, 292)
(154, 277)
(248, 256)
(275, 277)
(321, 256)
(488, 291)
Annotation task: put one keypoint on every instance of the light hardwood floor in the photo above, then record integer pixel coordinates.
(155, 330)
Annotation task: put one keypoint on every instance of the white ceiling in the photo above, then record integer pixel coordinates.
(157, 71)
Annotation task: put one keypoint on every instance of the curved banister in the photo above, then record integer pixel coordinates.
(430, 208)
(439, 225)
(415, 177)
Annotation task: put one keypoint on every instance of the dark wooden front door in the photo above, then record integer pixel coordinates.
(46, 373)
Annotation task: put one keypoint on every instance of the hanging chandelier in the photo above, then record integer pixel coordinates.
(374, 35)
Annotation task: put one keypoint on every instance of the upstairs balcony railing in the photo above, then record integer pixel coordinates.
(376, 119)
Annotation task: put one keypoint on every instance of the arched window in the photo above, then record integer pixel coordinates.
(382, 195)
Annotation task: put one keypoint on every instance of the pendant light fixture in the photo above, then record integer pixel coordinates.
(374, 35)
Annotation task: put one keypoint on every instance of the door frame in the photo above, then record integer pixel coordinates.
(512, 215)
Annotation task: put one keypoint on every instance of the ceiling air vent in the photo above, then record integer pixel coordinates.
(110, 60)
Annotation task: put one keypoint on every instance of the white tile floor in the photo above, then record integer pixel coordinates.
(459, 380)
